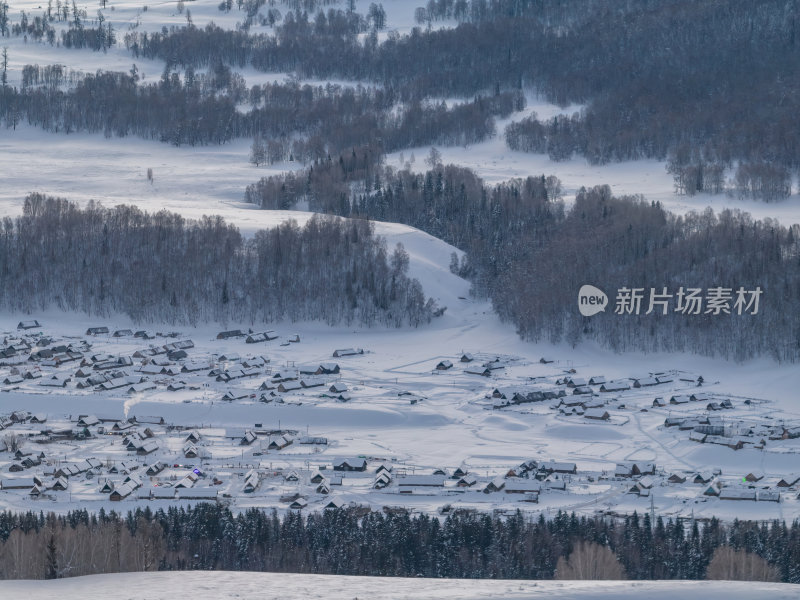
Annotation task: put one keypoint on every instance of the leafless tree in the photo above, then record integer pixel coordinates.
(738, 565)
(590, 561)
(11, 441)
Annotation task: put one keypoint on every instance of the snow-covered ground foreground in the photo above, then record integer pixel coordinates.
(191, 585)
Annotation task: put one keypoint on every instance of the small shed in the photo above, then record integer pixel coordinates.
(597, 414)
(147, 447)
(516, 485)
(155, 468)
(467, 480)
(299, 504)
(789, 480)
(231, 333)
(645, 382)
(190, 450)
(421, 481)
(334, 504)
(350, 464)
(340, 352)
(737, 494)
(754, 476)
(280, 442)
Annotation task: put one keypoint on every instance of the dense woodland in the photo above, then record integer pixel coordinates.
(629, 242)
(161, 267)
(718, 77)
(288, 121)
(653, 76)
(530, 256)
(351, 542)
(710, 87)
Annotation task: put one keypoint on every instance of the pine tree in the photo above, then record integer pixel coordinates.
(51, 561)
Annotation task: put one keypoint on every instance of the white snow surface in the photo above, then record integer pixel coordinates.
(223, 585)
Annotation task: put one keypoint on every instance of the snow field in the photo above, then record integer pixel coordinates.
(228, 585)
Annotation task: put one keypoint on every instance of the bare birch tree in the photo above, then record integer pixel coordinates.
(590, 561)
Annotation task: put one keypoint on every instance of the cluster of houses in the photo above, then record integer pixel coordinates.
(752, 485)
(305, 377)
(712, 404)
(40, 358)
(524, 483)
(473, 366)
(153, 461)
(169, 366)
(573, 395)
(582, 401)
(145, 459)
(735, 432)
(150, 448)
(143, 451)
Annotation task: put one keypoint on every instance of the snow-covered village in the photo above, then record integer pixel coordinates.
(277, 419)
(399, 299)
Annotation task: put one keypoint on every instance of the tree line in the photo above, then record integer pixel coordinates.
(618, 243)
(39, 28)
(553, 12)
(448, 202)
(161, 267)
(292, 121)
(350, 541)
(531, 256)
(652, 75)
(668, 76)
